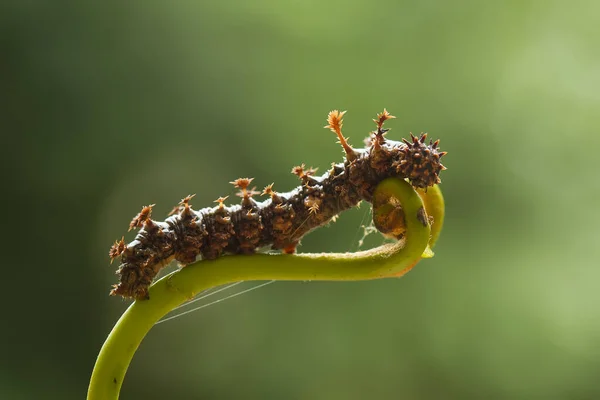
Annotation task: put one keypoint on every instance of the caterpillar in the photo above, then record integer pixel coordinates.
(282, 219)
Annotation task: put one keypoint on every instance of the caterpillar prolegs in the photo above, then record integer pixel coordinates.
(281, 220)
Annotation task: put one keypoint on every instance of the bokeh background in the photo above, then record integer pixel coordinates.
(108, 106)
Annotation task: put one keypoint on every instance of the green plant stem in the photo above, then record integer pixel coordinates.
(181, 286)
(435, 206)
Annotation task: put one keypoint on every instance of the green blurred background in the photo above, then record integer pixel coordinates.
(108, 106)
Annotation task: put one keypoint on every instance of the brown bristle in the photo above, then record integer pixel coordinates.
(382, 117)
(247, 193)
(187, 199)
(221, 201)
(335, 121)
(268, 190)
(311, 171)
(299, 171)
(180, 207)
(141, 217)
(242, 184)
(312, 204)
(186, 213)
(116, 249)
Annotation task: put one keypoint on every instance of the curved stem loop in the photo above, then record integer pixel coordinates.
(178, 287)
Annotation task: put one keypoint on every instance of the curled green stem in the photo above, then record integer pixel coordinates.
(435, 206)
(391, 260)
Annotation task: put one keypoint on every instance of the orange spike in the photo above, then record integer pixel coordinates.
(382, 117)
(252, 192)
(242, 184)
(141, 217)
(335, 121)
(268, 190)
(221, 200)
(187, 199)
(183, 202)
(299, 170)
(116, 249)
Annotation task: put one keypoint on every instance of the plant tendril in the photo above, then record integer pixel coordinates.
(391, 260)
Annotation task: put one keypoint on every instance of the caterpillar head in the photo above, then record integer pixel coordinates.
(420, 162)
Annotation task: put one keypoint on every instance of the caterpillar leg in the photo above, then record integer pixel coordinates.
(290, 248)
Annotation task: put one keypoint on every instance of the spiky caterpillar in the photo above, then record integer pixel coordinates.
(280, 221)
